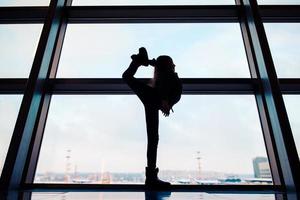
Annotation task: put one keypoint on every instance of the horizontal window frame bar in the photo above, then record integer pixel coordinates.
(290, 86)
(150, 14)
(117, 86)
(141, 188)
(23, 15)
(280, 14)
(13, 85)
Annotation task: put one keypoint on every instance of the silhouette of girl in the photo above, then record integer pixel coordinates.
(161, 93)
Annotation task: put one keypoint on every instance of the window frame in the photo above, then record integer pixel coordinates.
(42, 83)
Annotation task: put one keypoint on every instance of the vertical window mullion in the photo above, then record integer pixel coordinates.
(24, 132)
(279, 140)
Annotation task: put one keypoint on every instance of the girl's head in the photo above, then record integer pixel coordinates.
(164, 64)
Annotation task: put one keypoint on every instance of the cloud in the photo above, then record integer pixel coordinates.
(199, 58)
(105, 49)
(225, 129)
(17, 51)
(98, 129)
(110, 130)
(284, 42)
(9, 106)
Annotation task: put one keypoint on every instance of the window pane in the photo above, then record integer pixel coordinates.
(292, 103)
(9, 108)
(155, 195)
(151, 2)
(24, 3)
(102, 139)
(284, 42)
(17, 50)
(274, 2)
(104, 50)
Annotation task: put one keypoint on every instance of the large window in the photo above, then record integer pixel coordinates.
(79, 123)
(106, 49)
(97, 136)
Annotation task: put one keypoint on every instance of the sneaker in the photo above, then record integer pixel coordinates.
(143, 55)
(153, 182)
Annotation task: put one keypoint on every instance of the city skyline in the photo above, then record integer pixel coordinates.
(262, 176)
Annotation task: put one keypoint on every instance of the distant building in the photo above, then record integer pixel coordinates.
(106, 178)
(261, 167)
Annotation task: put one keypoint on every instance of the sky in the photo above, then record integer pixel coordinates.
(108, 133)
(111, 129)
(106, 42)
(19, 43)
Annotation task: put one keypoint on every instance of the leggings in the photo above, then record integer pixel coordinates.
(150, 98)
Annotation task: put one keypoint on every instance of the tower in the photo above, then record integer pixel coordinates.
(67, 167)
(199, 164)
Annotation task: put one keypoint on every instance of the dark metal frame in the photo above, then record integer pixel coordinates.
(20, 164)
(281, 148)
(117, 86)
(22, 148)
(146, 14)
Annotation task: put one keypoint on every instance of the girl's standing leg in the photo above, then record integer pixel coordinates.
(152, 121)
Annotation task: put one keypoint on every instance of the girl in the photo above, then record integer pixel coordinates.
(161, 93)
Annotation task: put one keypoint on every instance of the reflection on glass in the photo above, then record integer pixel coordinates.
(105, 49)
(276, 2)
(24, 3)
(17, 49)
(151, 2)
(9, 107)
(292, 103)
(154, 196)
(284, 42)
(102, 139)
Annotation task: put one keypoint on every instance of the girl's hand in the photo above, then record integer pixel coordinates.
(165, 108)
